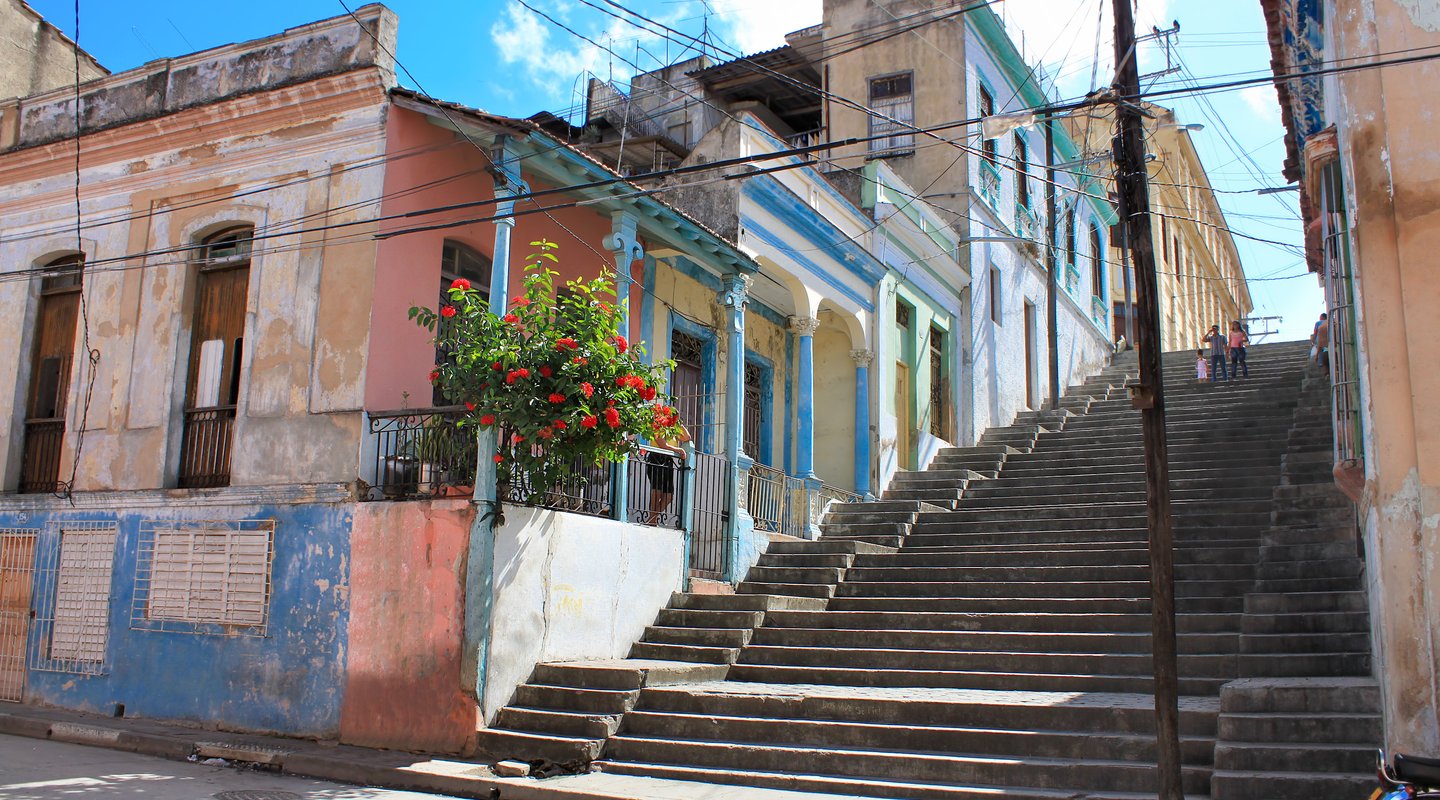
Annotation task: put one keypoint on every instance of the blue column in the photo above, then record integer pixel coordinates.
(627, 250)
(862, 359)
(480, 564)
(734, 295)
(804, 328)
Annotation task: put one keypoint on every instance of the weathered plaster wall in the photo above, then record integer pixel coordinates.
(38, 57)
(298, 153)
(569, 588)
(1392, 167)
(289, 681)
(835, 400)
(402, 681)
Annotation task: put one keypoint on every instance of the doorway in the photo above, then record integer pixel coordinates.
(1030, 393)
(17, 575)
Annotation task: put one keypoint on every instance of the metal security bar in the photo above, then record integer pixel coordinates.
(205, 447)
(72, 597)
(587, 491)
(766, 498)
(40, 464)
(17, 576)
(421, 452)
(1340, 297)
(207, 577)
(707, 537)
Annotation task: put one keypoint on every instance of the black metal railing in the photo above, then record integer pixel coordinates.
(421, 452)
(709, 515)
(40, 464)
(205, 447)
(778, 503)
(655, 488)
(587, 490)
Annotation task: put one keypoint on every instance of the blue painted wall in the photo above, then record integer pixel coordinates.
(289, 681)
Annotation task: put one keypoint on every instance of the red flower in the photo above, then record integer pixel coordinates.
(621, 344)
(566, 342)
(556, 397)
(511, 377)
(499, 459)
(648, 393)
(612, 417)
(587, 390)
(559, 425)
(461, 284)
(523, 372)
(517, 438)
(521, 301)
(589, 421)
(581, 360)
(546, 371)
(447, 311)
(487, 420)
(544, 433)
(497, 366)
(469, 406)
(434, 375)
(511, 318)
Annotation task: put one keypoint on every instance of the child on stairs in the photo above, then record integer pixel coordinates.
(1202, 367)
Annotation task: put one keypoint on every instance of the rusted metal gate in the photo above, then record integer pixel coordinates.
(17, 577)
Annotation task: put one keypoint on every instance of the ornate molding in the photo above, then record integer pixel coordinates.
(804, 326)
(862, 358)
(736, 292)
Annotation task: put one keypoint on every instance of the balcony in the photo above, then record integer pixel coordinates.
(40, 465)
(990, 183)
(205, 447)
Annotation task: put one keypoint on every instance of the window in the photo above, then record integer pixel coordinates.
(1097, 263)
(892, 96)
(190, 575)
(50, 364)
(1165, 239)
(688, 384)
(458, 260)
(72, 614)
(755, 418)
(1022, 171)
(217, 347)
(902, 315)
(1070, 243)
(990, 148)
(939, 386)
(996, 310)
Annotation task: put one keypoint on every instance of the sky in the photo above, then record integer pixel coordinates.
(502, 57)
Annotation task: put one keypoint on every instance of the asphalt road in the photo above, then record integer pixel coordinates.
(36, 769)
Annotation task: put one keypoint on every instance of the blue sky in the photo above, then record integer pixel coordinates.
(496, 55)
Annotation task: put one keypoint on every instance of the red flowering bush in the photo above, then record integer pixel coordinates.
(565, 372)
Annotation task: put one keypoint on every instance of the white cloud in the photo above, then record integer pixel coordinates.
(1263, 101)
(1066, 42)
(756, 25)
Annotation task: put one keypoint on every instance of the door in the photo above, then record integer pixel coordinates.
(216, 354)
(17, 573)
(904, 441)
(50, 377)
(1029, 355)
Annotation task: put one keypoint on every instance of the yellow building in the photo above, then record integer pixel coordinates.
(1200, 277)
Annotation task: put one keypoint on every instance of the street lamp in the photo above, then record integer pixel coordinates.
(1278, 189)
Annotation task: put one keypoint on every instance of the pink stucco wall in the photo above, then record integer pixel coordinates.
(451, 170)
(407, 611)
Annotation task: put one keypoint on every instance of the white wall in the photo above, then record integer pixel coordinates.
(571, 588)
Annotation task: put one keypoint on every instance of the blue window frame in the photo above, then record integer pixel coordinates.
(692, 382)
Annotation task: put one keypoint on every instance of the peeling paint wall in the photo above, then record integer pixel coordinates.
(289, 681)
(569, 588)
(402, 678)
(38, 56)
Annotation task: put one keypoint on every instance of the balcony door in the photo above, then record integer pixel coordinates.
(217, 339)
(50, 364)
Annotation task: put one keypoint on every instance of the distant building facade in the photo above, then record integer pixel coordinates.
(38, 57)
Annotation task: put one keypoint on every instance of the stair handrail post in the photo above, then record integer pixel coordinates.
(863, 359)
(687, 511)
(1149, 397)
(734, 296)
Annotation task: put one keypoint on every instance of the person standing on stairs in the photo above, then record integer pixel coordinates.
(1218, 343)
(1238, 339)
(1202, 368)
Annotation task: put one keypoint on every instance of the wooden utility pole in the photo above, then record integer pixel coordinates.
(1149, 397)
(1052, 280)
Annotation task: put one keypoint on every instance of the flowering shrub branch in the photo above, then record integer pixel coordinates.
(550, 377)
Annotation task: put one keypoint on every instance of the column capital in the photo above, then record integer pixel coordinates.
(623, 242)
(736, 290)
(862, 358)
(804, 326)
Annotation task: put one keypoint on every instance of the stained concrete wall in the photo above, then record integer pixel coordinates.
(407, 600)
(37, 56)
(1393, 171)
(570, 588)
(288, 681)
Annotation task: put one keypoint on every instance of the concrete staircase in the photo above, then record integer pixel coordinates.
(983, 629)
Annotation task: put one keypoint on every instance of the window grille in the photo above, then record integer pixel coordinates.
(72, 606)
(1022, 171)
(17, 573)
(892, 96)
(1340, 298)
(939, 387)
(210, 577)
(1097, 263)
(754, 409)
(989, 148)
